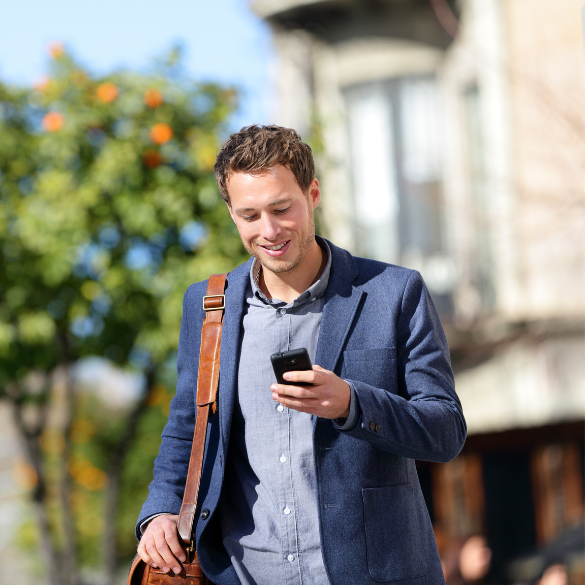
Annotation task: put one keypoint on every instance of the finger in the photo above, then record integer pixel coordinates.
(306, 403)
(169, 560)
(302, 407)
(317, 368)
(144, 555)
(294, 391)
(155, 559)
(306, 376)
(172, 538)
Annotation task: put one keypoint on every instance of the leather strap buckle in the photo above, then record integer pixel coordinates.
(213, 305)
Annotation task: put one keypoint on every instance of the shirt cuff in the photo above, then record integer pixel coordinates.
(349, 423)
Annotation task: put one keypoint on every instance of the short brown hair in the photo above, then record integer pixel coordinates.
(256, 148)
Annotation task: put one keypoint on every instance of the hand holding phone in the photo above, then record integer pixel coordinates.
(328, 396)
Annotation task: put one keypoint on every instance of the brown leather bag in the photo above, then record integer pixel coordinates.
(207, 381)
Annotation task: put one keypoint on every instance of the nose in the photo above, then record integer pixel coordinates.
(270, 227)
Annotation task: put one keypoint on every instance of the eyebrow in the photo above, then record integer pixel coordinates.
(271, 204)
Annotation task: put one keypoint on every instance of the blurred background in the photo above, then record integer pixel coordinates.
(448, 137)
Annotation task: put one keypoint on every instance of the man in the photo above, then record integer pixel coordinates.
(316, 484)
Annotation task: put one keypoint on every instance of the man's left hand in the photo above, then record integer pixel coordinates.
(328, 397)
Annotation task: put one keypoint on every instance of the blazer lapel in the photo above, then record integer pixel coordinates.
(341, 303)
(230, 346)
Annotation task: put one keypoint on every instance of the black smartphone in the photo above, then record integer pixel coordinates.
(288, 361)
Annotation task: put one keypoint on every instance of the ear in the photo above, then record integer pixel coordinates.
(314, 193)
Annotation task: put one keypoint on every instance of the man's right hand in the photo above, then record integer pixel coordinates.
(160, 546)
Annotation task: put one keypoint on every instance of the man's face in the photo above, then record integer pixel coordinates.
(274, 217)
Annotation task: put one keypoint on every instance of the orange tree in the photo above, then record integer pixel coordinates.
(108, 211)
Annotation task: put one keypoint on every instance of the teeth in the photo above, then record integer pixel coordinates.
(274, 248)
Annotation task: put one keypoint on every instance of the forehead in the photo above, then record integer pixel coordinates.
(273, 183)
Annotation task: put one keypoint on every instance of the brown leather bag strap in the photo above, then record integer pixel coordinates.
(207, 382)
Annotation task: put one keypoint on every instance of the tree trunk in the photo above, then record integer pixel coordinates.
(69, 553)
(29, 440)
(46, 543)
(110, 549)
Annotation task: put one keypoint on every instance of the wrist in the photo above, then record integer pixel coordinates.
(346, 412)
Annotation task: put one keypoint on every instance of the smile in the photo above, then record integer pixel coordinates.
(275, 248)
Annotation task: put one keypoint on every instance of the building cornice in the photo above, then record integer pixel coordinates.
(273, 8)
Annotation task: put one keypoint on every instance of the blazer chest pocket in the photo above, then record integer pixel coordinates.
(376, 366)
(392, 550)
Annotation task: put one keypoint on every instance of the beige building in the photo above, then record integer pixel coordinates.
(450, 139)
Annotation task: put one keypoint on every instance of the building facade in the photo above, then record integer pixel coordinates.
(449, 139)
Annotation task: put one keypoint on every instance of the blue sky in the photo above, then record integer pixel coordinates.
(222, 39)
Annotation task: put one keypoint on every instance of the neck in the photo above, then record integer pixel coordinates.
(287, 286)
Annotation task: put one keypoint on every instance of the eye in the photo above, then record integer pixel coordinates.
(249, 217)
(281, 211)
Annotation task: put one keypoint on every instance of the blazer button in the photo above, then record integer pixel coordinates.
(372, 426)
(377, 427)
(205, 514)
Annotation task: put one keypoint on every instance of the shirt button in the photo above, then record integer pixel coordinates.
(313, 299)
(282, 459)
(280, 408)
(290, 558)
(282, 311)
(287, 510)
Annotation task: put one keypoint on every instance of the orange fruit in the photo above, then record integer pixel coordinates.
(53, 121)
(107, 92)
(151, 158)
(161, 133)
(55, 49)
(153, 98)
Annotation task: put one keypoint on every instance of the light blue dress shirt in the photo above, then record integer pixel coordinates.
(269, 523)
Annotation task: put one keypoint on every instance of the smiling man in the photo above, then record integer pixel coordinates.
(274, 218)
(306, 484)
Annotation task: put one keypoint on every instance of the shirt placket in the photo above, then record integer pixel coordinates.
(311, 565)
(287, 510)
(281, 435)
(294, 556)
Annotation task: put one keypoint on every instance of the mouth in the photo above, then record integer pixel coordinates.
(277, 249)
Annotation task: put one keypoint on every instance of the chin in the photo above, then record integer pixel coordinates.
(281, 268)
(275, 266)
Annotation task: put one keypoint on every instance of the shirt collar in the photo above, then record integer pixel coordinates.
(315, 291)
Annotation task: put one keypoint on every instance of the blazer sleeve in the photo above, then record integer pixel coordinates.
(165, 493)
(421, 418)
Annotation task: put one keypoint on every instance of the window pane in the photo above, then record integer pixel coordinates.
(374, 174)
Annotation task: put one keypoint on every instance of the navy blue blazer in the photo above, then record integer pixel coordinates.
(380, 330)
